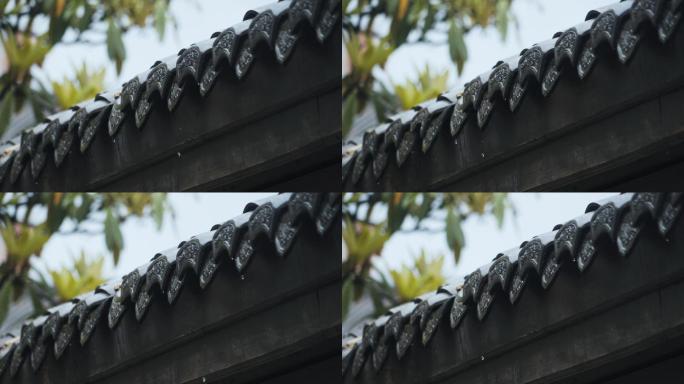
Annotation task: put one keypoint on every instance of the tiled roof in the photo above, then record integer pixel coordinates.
(615, 29)
(615, 223)
(275, 27)
(277, 220)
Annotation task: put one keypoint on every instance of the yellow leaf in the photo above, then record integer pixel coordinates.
(59, 7)
(403, 8)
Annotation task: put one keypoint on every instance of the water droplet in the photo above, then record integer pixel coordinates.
(178, 154)
(483, 155)
(242, 277)
(482, 357)
(204, 379)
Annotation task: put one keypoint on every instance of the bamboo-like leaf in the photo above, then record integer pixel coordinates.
(6, 108)
(347, 293)
(157, 209)
(115, 45)
(160, 10)
(5, 299)
(6, 293)
(349, 109)
(501, 17)
(454, 233)
(113, 237)
(457, 46)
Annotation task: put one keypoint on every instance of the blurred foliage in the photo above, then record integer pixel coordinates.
(371, 219)
(428, 86)
(29, 220)
(86, 85)
(423, 276)
(83, 276)
(30, 29)
(375, 29)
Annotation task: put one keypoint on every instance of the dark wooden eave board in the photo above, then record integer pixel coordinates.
(283, 145)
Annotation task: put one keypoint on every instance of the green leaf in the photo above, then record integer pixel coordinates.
(87, 18)
(499, 208)
(3, 4)
(38, 306)
(157, 209)
(347, 293)
(457, 47)
(160, 18)
(5, 299)
(396, 212)
(113, 237)
(115, 45)
(6, 108)
(349, 106)
(55, 216)
(392, 6)
(501, 17)
(454, 233)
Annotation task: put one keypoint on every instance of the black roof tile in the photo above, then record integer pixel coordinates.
(614, 224)
(276, 27)
(618, 27)
(276, 219)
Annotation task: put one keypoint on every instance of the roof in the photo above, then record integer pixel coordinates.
(610, 35)
(615, 225)
(268, 34)
(269, 226)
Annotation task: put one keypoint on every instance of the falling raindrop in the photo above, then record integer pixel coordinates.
(483, 155)
(482, 357)
(242, 277)
(204, 379)
(178, 154)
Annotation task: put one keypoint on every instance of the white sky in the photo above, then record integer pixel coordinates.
(197, 20)
(538, 20)
(195, 213)
(537, 213)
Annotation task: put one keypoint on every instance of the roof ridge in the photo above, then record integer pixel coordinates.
(278, 219)
(614, 222)
(617, 26)
(279, 26)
